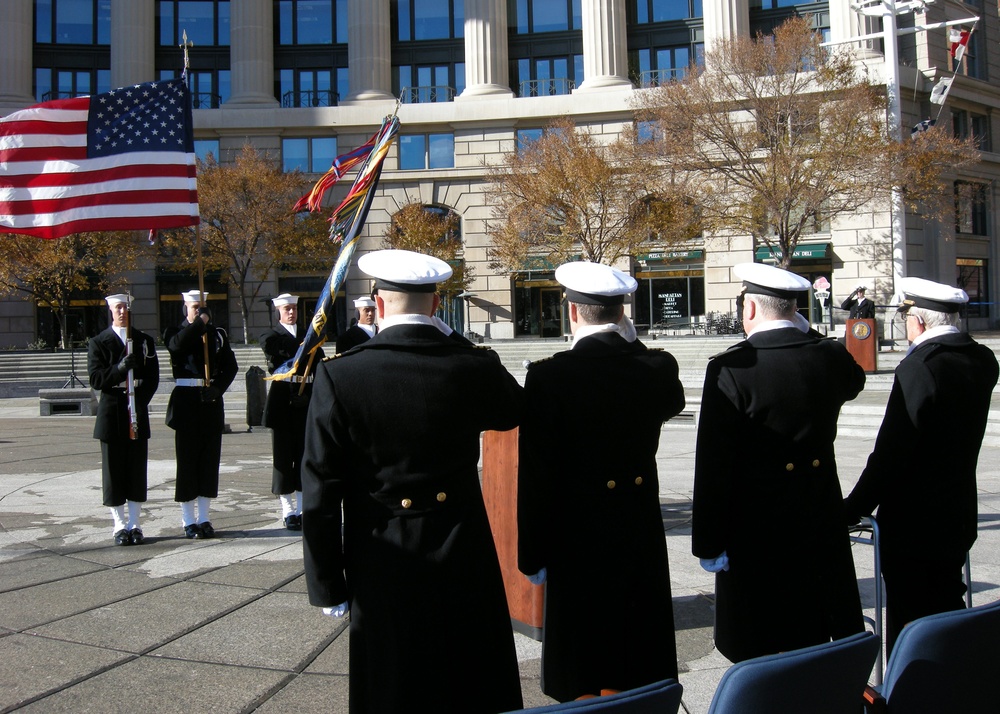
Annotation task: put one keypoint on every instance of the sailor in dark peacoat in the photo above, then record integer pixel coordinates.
(364, 330)
(196, 412)
(123, 464)
(922, 472)
(859, 307)
(393, 435)
(588, 497)
(285, 410)
(767, 501)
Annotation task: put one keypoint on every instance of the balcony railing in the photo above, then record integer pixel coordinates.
(49, 96)
(546, 87)
(658, 77)
(205, 100)
(310, 98)
(426, 95)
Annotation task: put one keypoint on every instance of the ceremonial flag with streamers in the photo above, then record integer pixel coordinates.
(959, 42)
(940, 92)
(123, 160)
(346, 223)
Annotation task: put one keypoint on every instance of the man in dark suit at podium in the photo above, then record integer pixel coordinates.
(861, 308)
(922, 472)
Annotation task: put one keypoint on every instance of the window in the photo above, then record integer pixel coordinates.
(311, 22)
(548, 76)
(647, 11)
(422, 84)
(307, 88)
(426, 151)
(58, 83)
(534, 16)
(205, 21)
(973, 279)
(971, 203)
(203, 148)
(658, 65)
(966, 124)
(314, 155)
(73, 22)
(208, 88)
(428, 19)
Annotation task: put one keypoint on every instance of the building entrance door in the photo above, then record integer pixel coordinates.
(550, 320)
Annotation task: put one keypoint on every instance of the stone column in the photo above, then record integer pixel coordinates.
(16, 34)
(133, 42)
(605, 62)
(252, 53)
(486, 72)
(369, 65)
(725, 19)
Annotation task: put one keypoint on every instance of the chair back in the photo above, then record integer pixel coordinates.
(662, 697)
(824, 679)
(947, 662)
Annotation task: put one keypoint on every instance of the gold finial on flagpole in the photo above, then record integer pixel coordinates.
(184, 45)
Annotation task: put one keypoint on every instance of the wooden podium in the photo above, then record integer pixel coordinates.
(862, 342)
(526, 601)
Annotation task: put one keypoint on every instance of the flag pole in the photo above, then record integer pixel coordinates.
(185, 44)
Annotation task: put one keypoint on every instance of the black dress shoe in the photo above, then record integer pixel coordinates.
(136, 537)
(192, 531)
(122, 537)
(293, 522)
(206, 530)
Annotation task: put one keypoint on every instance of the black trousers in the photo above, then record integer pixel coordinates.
(123, 470)
(917, 586)
(198, 456)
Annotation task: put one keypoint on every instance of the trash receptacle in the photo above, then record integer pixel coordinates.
(256, 394)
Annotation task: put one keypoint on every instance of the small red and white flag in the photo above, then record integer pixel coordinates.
(959, 41)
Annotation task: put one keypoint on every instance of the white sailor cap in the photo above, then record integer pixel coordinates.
(364, 302)
(113, 300)
(404, 271)
(285, 299)
(929, 295)
(193, 296)
(761, 279)
(589, 283)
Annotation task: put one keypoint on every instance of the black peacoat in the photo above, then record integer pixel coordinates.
(352, 337)
(104, 351)
(923, 466)
(186, 409)
(393, 433)
(766, 492)
(589, 512)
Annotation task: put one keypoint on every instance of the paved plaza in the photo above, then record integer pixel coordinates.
(224, 625)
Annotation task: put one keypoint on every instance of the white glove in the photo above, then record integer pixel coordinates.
(714, 565)
(538, 578)
(338, 611)
(801, 322)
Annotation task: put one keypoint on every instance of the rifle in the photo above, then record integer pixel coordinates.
(133, 417)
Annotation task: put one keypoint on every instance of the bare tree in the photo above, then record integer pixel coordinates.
(53, 272)
(567, 194)
(433, 231)
(248, 227)
(777, 135)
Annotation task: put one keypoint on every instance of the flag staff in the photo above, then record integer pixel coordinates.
(185, 44)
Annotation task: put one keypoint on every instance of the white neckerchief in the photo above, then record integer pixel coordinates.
(369, 329)
(122, 333)
(405, 319)
(932, 332)
(293, 330)
(588, 330)
(772, 325)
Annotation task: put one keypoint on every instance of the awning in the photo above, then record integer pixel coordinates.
(807, 251)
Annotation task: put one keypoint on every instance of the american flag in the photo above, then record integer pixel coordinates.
(123, 160)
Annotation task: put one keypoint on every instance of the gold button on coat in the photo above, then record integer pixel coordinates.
(638, 480)
(441, 497)
(789, 467)
(406, 503)
(815, 463)
(611, 484)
